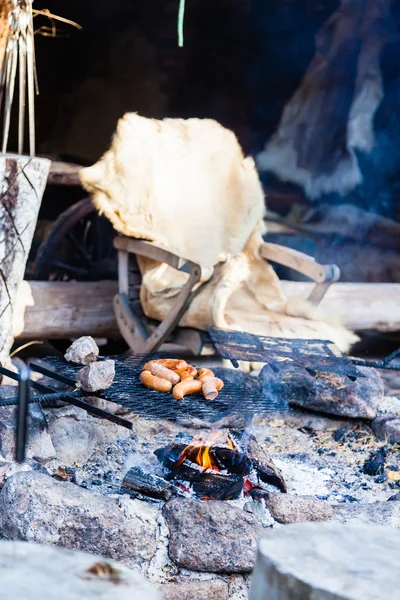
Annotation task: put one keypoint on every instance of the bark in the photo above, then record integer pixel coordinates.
(22, 180)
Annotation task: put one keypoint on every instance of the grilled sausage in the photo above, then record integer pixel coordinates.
(205, 373)
(211, 386)
(159, 370)
(184, 388)
(155, 383)
(189, 372)
(172, 363)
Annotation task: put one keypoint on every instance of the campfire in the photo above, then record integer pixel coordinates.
(222, 468)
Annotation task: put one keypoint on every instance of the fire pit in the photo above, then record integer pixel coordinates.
(186, 494)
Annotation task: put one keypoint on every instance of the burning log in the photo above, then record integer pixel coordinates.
(215, 486)
(213, 472)
(262, 462)
(206, 457)
(219, 472)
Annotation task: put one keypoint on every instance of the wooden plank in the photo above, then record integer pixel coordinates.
(63, 173)
(359, 306)
(65, 310)
(49, 310)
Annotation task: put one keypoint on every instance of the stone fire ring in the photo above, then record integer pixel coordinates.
(32, 571)
(326, 561)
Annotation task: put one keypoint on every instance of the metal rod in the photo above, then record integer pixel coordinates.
(374, 364)
(22, 413)
(57, 376)
(68, 397)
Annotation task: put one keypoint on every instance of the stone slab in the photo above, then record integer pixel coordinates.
(327, 561)
(32, 571)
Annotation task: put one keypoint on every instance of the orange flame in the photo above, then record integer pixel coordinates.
(199, 451)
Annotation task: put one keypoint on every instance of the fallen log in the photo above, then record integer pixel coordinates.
(51, 310)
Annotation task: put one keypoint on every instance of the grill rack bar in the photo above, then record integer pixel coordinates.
(48, 393)
(316, 355)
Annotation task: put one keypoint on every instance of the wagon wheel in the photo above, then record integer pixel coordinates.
(78, 247)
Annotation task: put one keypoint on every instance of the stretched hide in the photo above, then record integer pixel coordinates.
(185, 185)
(331, 115)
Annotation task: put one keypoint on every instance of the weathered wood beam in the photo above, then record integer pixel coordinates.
(360, 306)
(63, 173)
(49, 310)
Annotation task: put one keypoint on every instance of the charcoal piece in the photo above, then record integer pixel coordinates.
(232, 461)
(137, 480)
(170, 455)
(218, 487)
(375, 464)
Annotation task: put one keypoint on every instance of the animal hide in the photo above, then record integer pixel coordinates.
(186, 186)
(331, 115)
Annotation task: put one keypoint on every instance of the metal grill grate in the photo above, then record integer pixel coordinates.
(312, 355)
(242, 397)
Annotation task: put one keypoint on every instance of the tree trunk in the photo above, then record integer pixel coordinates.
(22, 183)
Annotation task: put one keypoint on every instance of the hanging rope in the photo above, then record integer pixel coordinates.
(181, 16)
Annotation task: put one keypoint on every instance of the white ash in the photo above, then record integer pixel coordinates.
(161, 567)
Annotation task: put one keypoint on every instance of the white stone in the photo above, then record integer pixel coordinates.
(327, 560)
(32, 571)
(83, 351)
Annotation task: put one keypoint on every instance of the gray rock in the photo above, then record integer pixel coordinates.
(387, 427)
(97, 376)
(327, 561)
(195, 590)
(32, 571)
(83, 351)
(395, 497)
(374, 513)
(295, 509)
(211, 536)
(37, 508)
(76, 434)
(39, 444)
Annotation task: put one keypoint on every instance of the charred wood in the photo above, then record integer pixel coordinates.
(137, 480)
